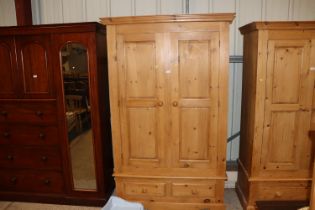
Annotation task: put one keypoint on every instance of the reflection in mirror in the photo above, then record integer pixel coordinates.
(78, 115)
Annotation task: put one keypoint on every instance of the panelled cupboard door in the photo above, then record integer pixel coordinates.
(288, 104)
(194, 99)
(34, 64)
(8, 74)
(142, 100)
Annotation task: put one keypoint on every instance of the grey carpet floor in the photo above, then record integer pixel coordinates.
(231, 201)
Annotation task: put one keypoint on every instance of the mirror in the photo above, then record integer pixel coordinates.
(78, 115)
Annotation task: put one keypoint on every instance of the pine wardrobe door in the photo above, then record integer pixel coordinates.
(288, 103)
(194, 100)
(142, 100)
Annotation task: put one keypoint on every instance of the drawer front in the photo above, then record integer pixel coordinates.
(284, 191)
(36, 112)
(28, 135)
(201, 190)
(198, 191)
(31, 181)
(30, 157)
(144, 189)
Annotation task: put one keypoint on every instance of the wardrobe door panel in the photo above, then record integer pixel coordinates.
(194, 134)
(140, 69)
(193, 64)
(287, 106)
(35, 65)
(142, 133)
(142, 99)
(194, 99)
(8, 74)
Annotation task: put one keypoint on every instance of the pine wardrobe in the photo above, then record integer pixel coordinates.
(168, 92)
(276, 152)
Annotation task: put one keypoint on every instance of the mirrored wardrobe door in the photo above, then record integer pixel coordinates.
(78, 117)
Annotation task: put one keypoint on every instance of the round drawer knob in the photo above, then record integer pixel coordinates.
(175, 104)
(44, 158)
(194, 192)
(6, 134)
(186, 165)
(47, 182)
(10, 157)
(4, 113)
(160, 103)
(39, 113)
(42, 135)
(206, 200)
(13, 180)
(278, 194)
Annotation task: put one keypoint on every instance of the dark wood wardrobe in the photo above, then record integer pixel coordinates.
(55, 139)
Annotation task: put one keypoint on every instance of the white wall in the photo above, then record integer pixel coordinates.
(64, 11)
(7, 13)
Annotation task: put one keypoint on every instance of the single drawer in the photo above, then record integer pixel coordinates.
(31, 181)
(144, 189)
(201, 190)
(28, 135)
(30, 112)
(284, 190)
(30, 157)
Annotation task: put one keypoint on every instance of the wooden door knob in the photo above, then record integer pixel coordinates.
(42, 135)
(10, 157)
(160, 103)
(194, 192)
(39, 113)
(44, 158)
(6, 134)
(13, 180)
(175, 104)
(186, 165)
(4, 113)
(278, 194)
(47, 182)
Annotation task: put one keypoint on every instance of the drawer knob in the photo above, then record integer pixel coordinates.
(13, 180)
(194, 192)
(278, 194)
(44, 158)
(10, 157)
(47, 182)
(39, 113)
(160, 103)
(206, 200)
(186, 165)
(175, 104)
(4, 113)
(42, 135)
(6, 134)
